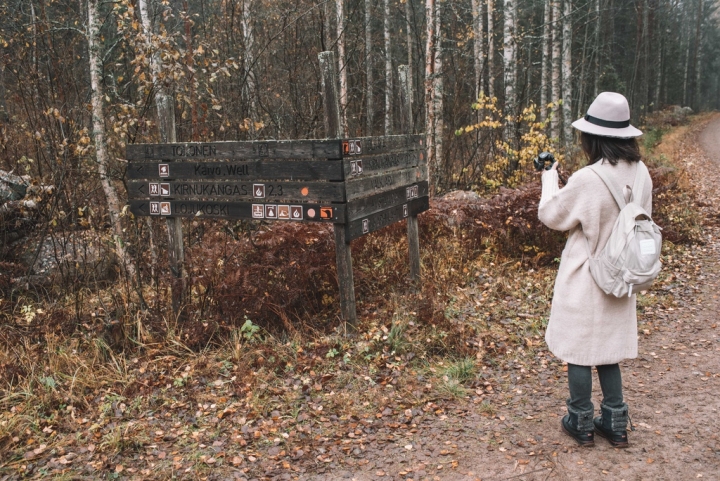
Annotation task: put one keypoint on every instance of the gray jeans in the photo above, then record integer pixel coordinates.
(580, 383)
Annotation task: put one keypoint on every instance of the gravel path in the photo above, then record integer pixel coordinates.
(672, 389)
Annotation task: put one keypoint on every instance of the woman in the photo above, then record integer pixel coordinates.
(588, 327)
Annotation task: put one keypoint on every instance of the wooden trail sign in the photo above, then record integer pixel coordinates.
(358, 184)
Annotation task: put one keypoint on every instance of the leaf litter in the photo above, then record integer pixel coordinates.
(434, 381)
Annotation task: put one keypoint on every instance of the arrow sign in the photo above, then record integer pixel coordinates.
(141, 188)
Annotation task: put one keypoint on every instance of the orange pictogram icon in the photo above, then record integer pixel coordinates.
(305, 191)
(326, 212)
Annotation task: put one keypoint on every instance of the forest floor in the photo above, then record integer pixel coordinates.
(378, 407)
(672, 389)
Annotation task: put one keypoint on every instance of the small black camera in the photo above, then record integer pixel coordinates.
(544, 161)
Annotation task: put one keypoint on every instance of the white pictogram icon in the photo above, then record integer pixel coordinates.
(154, 189)
(283, 212)
(259, 191)
(165, 208)
(165, 190)
(258, 211)
(366, 226)
(154, 208)
(405, 210)
(296, 212)
(271, 212)
(164, 170)
(359, 167)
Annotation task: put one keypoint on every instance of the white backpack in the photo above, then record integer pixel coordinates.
(630, 261)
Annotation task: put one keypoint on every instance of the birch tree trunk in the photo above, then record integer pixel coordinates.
(567, 75)
(249, 37)
(509, 68)
(491, 47)
(555, 80)
(478, 44)
(342, 63)
(410, 60)
(545, 70)
(165, 107)
(430, 91)
(369, 81)
(388, 69)
(95, 55)
(439, 87)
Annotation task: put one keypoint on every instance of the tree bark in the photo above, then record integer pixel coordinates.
(697, 59)
(438, 94)
(509, 69)
(567, 75)
(97, 95)
(388, 69)
(249, 43)
(491, 47)
(342, 63)
(165, 107)
(478, 45)
(430, 91)
(598, 48)
(410, 60)
(369, 81)
(555, 80)
(545, 69)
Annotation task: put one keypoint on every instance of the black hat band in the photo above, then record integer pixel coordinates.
(607, 123)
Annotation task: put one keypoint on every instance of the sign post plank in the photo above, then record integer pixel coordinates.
(343, 253)
(406, 121)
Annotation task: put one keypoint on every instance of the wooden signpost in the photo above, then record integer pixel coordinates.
(359, 185)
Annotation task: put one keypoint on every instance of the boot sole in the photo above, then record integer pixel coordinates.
(614, 444)
(581, 444)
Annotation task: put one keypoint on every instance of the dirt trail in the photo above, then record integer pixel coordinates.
(672, 389)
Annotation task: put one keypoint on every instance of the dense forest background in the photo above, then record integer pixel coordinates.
(240, 69)
(494, 82)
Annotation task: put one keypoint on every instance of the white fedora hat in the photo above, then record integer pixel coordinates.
(608, 116)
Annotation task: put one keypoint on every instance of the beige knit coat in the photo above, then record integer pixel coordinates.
(588, 327)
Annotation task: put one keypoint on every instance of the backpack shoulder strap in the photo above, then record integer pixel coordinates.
(614, 189)
(639, 184)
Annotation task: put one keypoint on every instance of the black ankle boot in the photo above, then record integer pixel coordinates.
(612, 425)
(579, 426)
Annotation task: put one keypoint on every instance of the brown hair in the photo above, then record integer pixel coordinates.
(611, 149)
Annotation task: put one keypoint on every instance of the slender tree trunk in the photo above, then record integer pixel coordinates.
(342, 63)
(411, 62)
(439, 87)
(249, 37)
(687, 68)
(491, 47)
(369, 81)
(567, 75)
(97, 95)
(388, 69)
(478, 40)
(598, 48)
(583, 70)
(555, 80)
(509, 69)
(697, 59)
(189, 65)
(545, 69)
(165, 107)
(430, 91)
